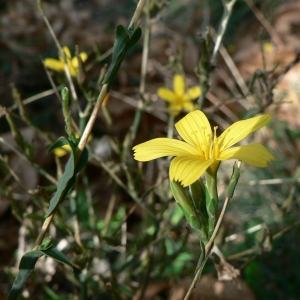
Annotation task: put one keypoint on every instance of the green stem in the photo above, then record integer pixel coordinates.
(170, 126)
(212, 196)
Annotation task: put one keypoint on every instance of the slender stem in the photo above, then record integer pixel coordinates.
(208, 248)
(145, 53)
(93, 117)
(212, 197)
(227, 13)
(170, 126)
(261, 18)
(252, 250)
(61, 52)
(43, 231)
(137, 13)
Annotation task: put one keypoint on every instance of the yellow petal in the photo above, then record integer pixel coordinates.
(241, 129)
(71, 68)
(188, 106)
(61, 151)
(166, 94)
(67, 52)
(174, 109)
(74, 60)
(192, 93)
(179, 85)
(162, 147)
(83, 56)
(253, 154)
(187, 169)
(54, 64)
(195, 129)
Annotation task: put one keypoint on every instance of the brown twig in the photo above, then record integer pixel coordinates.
(261, 18)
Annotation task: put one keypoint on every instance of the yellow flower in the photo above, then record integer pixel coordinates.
(58, 65)
(62, 151)
(202, 149)
(65, 149)
(179, 99)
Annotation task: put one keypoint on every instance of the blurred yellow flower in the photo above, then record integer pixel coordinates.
(179, 99)
(202, 149)
(59, 66)
(65, 149)
(62, 151)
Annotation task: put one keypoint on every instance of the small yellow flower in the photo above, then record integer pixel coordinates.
(202, 149)
(268, 47)
(179, 99)
(59, 66)
(65, 149)
(62, 151)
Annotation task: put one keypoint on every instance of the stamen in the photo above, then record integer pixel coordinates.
(216, 145)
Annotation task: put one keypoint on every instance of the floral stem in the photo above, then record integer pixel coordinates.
(208, 248)
(212, 196)
(170, 126)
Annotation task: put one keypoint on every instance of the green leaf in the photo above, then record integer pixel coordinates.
(264, 239)
(197, 193)
(84, 157)
(47, 243)
(57, 255)
(233, 180)
(186, 204)
(27, 265)
(68, 179)
(125, 39)
(182, 198)
(63, 185)
(61, 141)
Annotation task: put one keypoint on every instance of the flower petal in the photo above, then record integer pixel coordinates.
(241, 129)
(162, 147)
(192, 93)
(253, 154)
(188, 106)
(187, 169)
(174, 109)
(195, 129)
(166, 94)
(179, 85)
(54, 64)
(61, 151)
(74, 60)
(83, 56)
(67, 52)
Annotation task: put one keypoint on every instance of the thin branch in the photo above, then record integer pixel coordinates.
(226, 16)
(261, 18)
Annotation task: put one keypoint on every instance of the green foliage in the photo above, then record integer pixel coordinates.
(115, 219)
(74, 165)
(27, 265)
(125, 39)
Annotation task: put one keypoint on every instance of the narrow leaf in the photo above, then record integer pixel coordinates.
(57, 255)
(125, 39)
(61, 141)
(62, 186)
(181, 197)
(233, 180)
(27, 265)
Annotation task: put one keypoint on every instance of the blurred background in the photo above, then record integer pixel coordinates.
(257, 70)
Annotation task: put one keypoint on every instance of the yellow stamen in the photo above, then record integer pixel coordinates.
(216, 145)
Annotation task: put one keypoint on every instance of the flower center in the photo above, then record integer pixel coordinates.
(208, 147)
(216, 148)
(179, 100)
